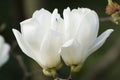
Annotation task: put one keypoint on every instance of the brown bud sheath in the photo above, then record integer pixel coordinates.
(112, 7)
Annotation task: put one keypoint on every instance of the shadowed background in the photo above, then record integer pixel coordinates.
(104, 64)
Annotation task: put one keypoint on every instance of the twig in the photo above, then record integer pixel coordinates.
(104, 19)
(70, 77)
(19, 59)
(23, 67)
(21, 62)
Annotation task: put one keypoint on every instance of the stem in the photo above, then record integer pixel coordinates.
(70, 77)
(22, 65)
(104, 19)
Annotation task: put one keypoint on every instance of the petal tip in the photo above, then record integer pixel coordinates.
(14, 30)
(55, 10)
(111, 30)
(67, 9)
(1, 37)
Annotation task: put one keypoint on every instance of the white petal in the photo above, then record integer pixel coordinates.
(29, 28)
(66, 15)
(4, 54)
(1, 42)
(88, 28)
(82, 24)
(32, 32)
(71, 52)
(49, 49)
(100, 41)
(23, 45)
(36, 42)
(57, 22)
(70, 22)
(34, 29)
(43, 17)
(26, 48)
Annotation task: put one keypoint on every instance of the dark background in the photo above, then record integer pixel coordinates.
(101, 65)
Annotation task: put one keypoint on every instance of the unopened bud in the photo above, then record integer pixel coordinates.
(113, 9)
(116, 17)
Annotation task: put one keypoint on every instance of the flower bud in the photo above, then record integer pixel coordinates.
(113, 9)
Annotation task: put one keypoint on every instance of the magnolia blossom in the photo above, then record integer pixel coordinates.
(46, 36)
(40, 39)
(81, 35)
(4, 51)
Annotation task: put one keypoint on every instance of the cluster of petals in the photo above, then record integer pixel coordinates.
(46, 37)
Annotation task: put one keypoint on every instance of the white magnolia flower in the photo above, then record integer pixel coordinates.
(81, 31)
(41, 39)
(4, 51)
(46, 36)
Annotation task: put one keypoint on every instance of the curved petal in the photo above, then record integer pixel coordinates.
(71, 52)
(29, 28)
(100, 41)
(35, 55)
(70, 22)
(1, 42)
(43, 17)
(78, 24)
(32, 33)
(49, 49)
(36, 39)
(4, 54)
(23, 45)
(88, 28)
(57, 22)
(36, 26)
(66, 15)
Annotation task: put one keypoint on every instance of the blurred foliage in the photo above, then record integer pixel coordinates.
(14, 11)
